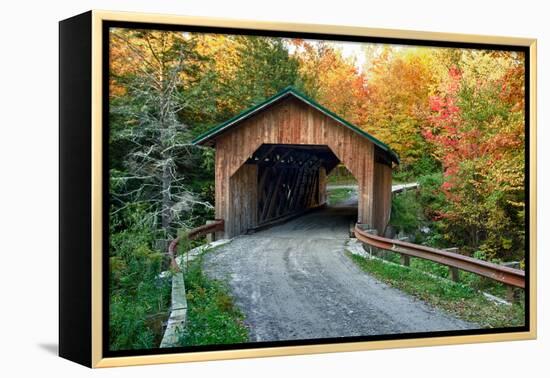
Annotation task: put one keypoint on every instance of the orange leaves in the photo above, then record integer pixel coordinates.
(330, 78)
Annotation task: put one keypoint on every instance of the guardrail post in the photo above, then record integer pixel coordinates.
(404, 259)
(512, 295)
(211, 236)
(454, 274)
(373, 250)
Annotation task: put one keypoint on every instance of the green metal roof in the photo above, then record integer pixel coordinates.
(289, 91)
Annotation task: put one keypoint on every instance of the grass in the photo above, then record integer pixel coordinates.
(338, 195)
(460, 300)
(212, 317)
(468, 279)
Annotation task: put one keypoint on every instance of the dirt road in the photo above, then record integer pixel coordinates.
(294, 281)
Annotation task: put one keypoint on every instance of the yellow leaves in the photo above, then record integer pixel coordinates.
(330, 78)
(399, 84)
(480, 67)
(223, 51)
(520, 205)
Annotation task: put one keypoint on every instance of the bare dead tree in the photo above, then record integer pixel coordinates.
(162, 84)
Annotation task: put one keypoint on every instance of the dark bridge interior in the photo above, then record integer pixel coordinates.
(291, 179)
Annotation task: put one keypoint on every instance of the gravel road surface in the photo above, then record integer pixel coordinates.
(294, 281)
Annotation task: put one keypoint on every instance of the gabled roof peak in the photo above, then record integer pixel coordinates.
(289, 91)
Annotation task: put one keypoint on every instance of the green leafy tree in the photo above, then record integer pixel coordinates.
(263, 68)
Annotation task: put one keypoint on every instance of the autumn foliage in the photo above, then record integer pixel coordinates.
(456, 118)
(476, 127)
(455, 115)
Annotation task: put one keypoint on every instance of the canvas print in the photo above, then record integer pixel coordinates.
(284, 189)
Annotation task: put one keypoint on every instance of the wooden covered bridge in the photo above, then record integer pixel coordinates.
(272, 162)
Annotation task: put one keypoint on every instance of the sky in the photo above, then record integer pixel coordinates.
(356, 50)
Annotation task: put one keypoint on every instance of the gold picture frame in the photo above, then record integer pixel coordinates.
(92, 327)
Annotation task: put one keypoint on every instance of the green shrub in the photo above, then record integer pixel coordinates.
(406, 212)
(139, 299)
(338, 195)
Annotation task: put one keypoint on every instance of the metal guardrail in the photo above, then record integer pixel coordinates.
(205, 229)
(503, 274)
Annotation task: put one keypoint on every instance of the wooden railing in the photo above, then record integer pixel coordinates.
(508, 276)
(209, 228)
(178, 311)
